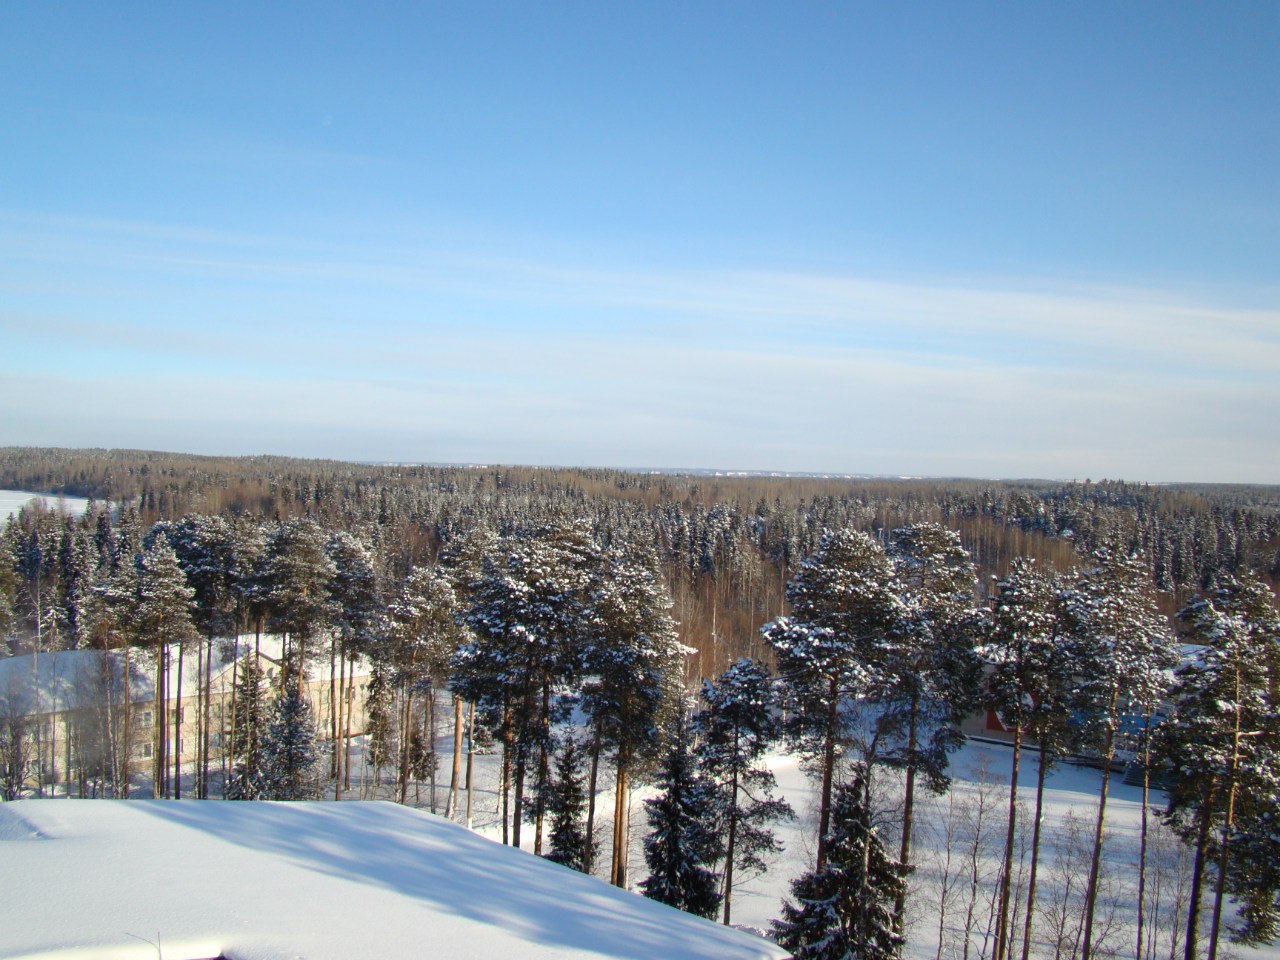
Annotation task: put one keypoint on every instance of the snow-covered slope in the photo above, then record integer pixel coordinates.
(252, 881)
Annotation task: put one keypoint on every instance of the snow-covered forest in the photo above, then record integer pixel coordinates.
(583, 638)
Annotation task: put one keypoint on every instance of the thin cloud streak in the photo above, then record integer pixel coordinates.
(309, 348)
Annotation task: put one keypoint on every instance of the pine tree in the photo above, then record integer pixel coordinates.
(1023, 650)
(844, 910)
(843, 606)
(294, 582)
(421, 637)
(360, 619)
(1124, 650)
(566, 806)
(682, 842)
(735, 728)
(528, 619)
(929, 671)
(1223, 746)
(164, 619)
(289, 748)
(633, 663)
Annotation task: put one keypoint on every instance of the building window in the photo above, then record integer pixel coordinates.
(146, 751)
(146, 717)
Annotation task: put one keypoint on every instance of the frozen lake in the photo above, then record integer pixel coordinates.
(11, 501)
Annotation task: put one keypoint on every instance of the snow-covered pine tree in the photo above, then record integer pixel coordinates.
(734, 728)
(289, 748)
(844, 910)
(163, 619)
(206, 549)
(1124, 649)
(1223, 747)
(632, 661)
(528, 619)
(929, 671)
(294, 581)
(682, 840)
(360, 616)
(422, 635)
(843, 606)
(1023, 644)
(566, 804)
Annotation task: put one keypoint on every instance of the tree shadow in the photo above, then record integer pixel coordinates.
(428, 858)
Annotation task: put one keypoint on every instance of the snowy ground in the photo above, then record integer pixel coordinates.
(949, 916)
(324, 881)
(958, 843)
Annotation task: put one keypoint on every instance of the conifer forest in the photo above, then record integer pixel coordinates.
(592, 633)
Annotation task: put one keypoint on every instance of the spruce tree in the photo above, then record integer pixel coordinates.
(566, 804)
(289, 748)
(682, 842)
(248, 777)
(844, 910)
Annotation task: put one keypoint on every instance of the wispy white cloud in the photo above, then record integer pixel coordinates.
(413, 352)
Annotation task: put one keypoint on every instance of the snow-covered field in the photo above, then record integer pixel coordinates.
(324, 881)
(243, 880)
(11, 501)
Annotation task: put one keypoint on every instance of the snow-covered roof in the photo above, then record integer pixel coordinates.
(325, 881)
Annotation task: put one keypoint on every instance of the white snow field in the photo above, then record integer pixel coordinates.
(121, 880)
(11, 501)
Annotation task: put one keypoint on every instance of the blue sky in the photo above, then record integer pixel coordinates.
(945, 239)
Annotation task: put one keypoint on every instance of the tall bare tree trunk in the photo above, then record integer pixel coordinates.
(1029, 920)
(471, 749)
(908, 814)
(1142, 841)
(1091, 892)
(431, 740)
(339, 744)
(517, 806)
(1002, 950)
(199, 720)
(731, 842)
(588, 854)
(349, 699)
(125, 747)
(455, 772)
(177, 732)
(1197, 872)
(1224, 845)
(506, 790)
(618, 871)
(208, 716)
(828, 772)
(406, 735)
(335, 722)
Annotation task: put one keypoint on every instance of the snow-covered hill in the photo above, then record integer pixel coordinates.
(260, 881)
